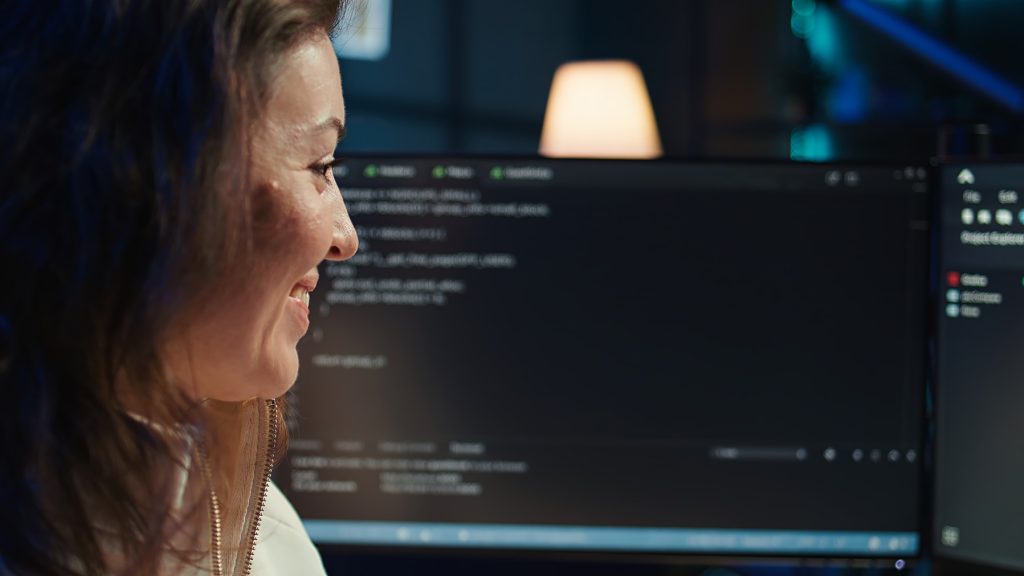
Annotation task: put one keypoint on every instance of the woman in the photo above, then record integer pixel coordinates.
(166, 194)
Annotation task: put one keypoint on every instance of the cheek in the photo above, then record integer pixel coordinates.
(302, 234)
(250, 343)
(225, 353)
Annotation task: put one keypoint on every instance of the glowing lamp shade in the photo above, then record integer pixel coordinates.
(599, 109)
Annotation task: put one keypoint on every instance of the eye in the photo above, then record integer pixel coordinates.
(325, 168)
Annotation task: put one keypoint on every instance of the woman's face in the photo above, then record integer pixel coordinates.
(244, 345)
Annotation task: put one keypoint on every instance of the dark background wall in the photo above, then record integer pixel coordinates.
(767, 78)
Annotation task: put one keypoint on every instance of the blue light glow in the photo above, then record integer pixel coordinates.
(804, 7)
(801, 25)
(939, 54)
(848, 99)
(823, 40)
(811, 143)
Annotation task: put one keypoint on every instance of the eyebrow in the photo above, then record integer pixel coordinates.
(335, 123)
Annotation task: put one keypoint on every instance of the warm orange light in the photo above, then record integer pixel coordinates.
(599, 109)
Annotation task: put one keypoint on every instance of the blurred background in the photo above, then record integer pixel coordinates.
(801, 79)
(818, 80)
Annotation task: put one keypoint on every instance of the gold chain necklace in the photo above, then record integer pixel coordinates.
(216, 537)
(216, 522)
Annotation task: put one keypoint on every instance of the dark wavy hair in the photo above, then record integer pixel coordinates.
(123, 191)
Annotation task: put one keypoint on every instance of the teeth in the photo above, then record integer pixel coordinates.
(301, 294)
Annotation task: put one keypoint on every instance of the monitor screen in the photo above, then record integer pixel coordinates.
(616, 356)
(979, 446)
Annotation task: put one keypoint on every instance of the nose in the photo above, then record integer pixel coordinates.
(344, 241)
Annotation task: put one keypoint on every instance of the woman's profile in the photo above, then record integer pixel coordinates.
(166, 194)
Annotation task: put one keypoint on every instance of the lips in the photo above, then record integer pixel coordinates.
(300, 293)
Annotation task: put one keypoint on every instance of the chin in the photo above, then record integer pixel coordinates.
(272, 376)
(281, 379)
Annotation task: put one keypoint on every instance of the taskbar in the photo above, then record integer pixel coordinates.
(614, 539)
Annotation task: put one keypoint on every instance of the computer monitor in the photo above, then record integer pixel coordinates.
(979, 437)
(618, 357)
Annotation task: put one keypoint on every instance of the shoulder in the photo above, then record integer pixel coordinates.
(282, 545)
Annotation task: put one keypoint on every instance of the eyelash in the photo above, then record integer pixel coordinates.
(324, 169)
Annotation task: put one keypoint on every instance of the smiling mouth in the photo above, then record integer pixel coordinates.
(301, 294)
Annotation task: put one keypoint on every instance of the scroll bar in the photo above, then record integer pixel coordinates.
(772, 454)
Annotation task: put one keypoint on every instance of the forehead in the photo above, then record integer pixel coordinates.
(306, 90)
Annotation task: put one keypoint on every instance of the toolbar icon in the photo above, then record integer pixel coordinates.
(1004, 217)
(950, 536)
(953, 279)
(833, 177)
(965, 177)
(967, 216)
(984, 217)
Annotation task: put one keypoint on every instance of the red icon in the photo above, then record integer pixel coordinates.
(953, 279)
